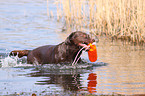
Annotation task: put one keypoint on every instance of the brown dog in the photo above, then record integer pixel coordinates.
(64, 52)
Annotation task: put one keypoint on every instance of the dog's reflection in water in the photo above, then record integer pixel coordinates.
(71, 82)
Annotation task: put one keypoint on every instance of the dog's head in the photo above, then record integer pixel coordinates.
(79, 39)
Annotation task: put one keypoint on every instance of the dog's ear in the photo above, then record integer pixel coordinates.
(70, 38)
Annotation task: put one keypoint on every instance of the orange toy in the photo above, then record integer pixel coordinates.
(92, 53)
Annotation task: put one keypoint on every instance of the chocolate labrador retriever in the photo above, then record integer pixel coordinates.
(64, 52)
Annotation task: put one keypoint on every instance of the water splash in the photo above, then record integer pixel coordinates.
(9, 61)
(14, 61)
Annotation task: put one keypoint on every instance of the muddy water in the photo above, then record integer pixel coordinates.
(24, 24)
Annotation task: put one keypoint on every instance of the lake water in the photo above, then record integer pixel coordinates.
(24, 24)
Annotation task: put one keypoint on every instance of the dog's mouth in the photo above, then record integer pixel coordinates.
(85, 46)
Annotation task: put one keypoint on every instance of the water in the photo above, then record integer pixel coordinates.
(24, 24)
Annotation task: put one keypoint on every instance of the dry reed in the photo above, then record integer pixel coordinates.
(116, 18)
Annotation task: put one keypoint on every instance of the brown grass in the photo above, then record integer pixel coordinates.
(123, 19)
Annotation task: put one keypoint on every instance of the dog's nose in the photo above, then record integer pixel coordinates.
(96, 39)
(93, 40)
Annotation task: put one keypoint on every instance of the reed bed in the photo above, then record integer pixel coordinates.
(123, 19)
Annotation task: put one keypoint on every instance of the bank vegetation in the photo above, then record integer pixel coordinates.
(121, 19)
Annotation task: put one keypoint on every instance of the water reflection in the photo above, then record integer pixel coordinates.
(92, 83)
(69, 81)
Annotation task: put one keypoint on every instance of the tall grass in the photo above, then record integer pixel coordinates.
(116, 18)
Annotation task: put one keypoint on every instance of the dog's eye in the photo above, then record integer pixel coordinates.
(85, 36)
